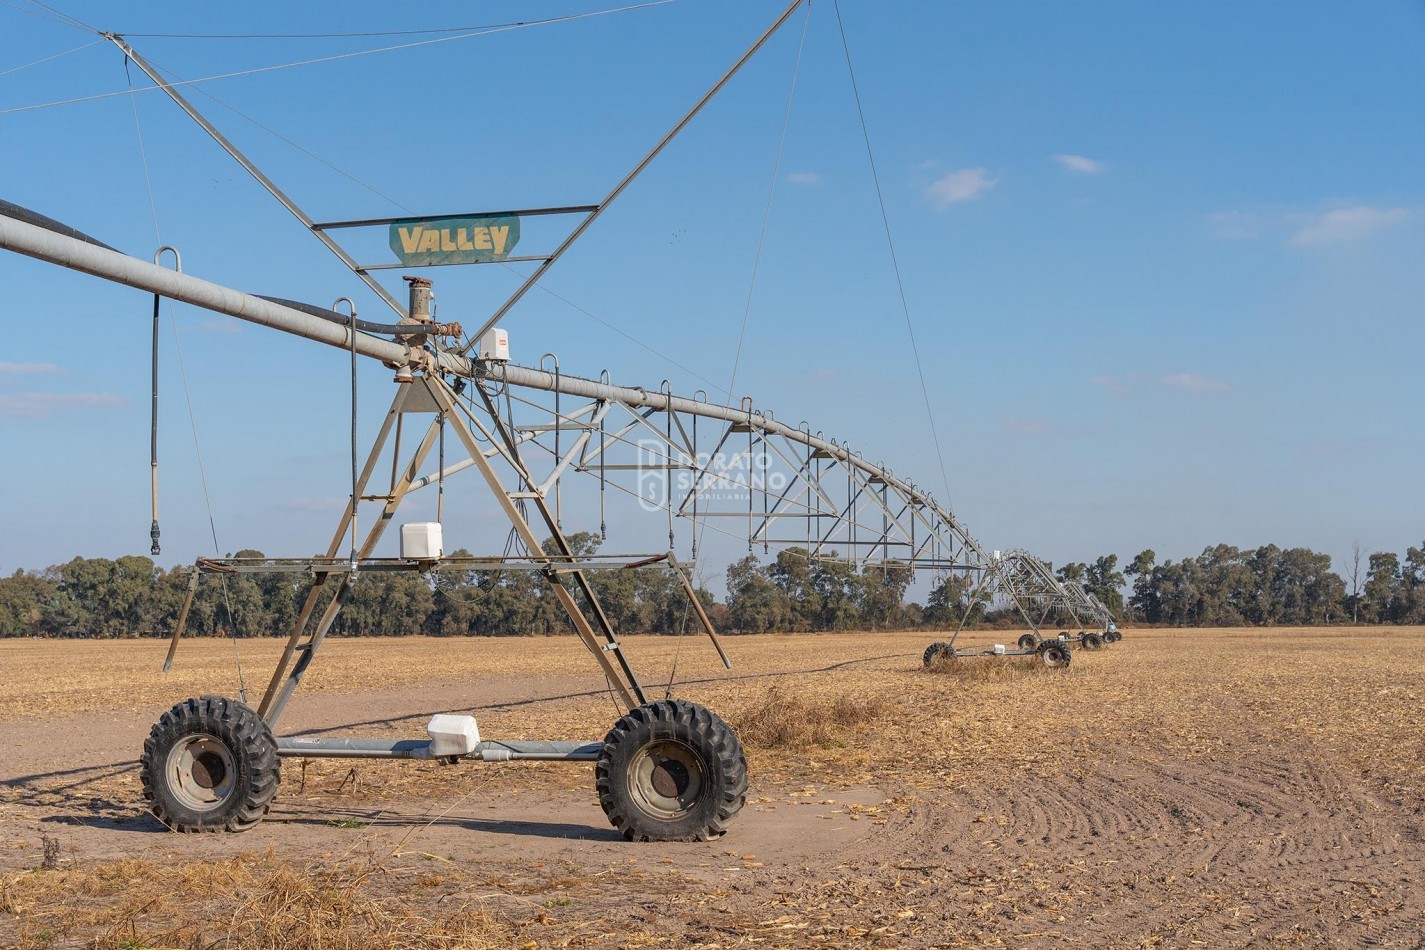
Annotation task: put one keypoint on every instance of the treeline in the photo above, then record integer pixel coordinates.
(132, 597)
(1224, 586)
(795, 593)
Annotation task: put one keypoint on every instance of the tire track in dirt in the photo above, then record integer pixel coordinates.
(1242, 839)
(1264, 845)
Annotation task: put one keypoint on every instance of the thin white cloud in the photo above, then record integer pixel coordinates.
(1080, 164)
(1234, 225)
(1021, 426)
(27, 369)
(964, 184)
(804, 178)
(1118, 387)
(1195, 382)
(43, 405)
(1347, 225)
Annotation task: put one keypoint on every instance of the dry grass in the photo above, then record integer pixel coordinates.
(794, 721)
(975, 670)
(60, 677)
(1350, 689)
(246, 901)
(1350, 698)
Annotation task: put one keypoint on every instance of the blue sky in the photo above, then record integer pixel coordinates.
(1163, 261)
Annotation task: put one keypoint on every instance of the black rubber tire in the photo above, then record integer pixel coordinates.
(1054, 654)
(1092, 641)
(937, 651)
(693, 775)
(1113, 636)
(1028, 642)
(210, 764)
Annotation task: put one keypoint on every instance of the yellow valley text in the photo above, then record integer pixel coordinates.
(422, 240)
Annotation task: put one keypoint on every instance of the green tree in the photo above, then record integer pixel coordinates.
(756, 603)
(1103, 579)
(881, 593)
(385, 604)
(1412, 587)
(1076, 573)
(948, 600)
(794, 573)
(23, 598)
(1381, 600)
(1144, 599)
(99, 597)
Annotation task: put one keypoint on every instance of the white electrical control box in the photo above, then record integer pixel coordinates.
(999, 649)
(421, 541)
(452, 735)
(495, 345)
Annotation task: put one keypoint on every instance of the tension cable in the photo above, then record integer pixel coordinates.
(47, 59)
(314, 61)
(891, 246)
(187, 397)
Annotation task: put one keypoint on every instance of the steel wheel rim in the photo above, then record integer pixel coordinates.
(667, 779)
(202, 772)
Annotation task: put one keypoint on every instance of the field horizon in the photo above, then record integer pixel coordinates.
(1227, 786)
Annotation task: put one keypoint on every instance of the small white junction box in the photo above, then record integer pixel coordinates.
(452, 735)
(421, 541)
(495, 345)
(999, 649)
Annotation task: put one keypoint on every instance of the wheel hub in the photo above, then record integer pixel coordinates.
(202, 772)
(666, 779)
(209, 770)
(669, 778)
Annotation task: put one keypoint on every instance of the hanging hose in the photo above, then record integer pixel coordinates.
(697, 467)
(603, 471)
(153, 532)
(352, 322)
(365, 326)
(154, 548)
(667, 390)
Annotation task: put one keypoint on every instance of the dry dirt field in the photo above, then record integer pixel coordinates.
(1216, 788)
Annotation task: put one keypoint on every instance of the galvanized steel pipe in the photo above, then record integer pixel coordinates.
(56, 248)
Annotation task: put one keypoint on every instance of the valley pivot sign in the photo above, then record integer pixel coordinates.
(421, 242)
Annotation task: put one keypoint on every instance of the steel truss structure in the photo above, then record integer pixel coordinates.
(1030, 584)
(668, 770)
(1090, 606)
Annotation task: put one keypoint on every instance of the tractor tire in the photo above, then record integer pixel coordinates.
(1113, 636)
(671, 770)
(938, 651)
(1028, 642)
(210, 764)
(1092, 641)
(1054, 654)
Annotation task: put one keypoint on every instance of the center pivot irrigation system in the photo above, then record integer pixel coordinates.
(1022, 579)
(668, 769)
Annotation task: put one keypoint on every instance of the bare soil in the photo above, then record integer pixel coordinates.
(1181, 788)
